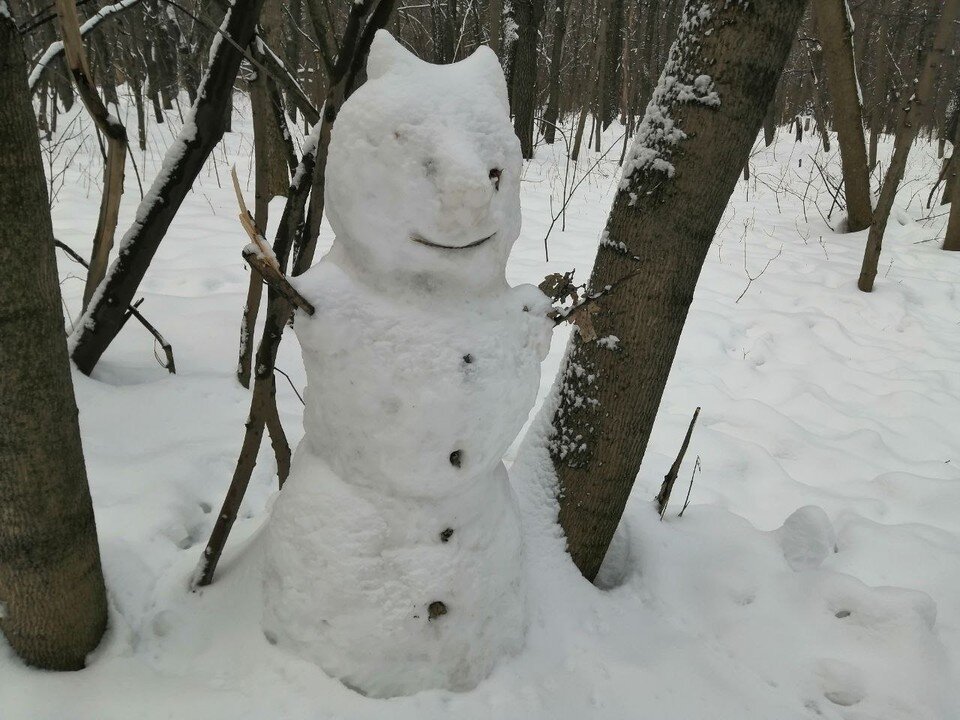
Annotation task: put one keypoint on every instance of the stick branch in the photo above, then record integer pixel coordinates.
(663, 497)
(272, 277)
(131, 310)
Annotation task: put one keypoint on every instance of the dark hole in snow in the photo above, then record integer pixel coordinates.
(842, 614)
(456, 458)
(468, 358)
(495, 174)
(436, 609)
(446, 535)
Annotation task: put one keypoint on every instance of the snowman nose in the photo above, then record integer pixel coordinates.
(467, 188)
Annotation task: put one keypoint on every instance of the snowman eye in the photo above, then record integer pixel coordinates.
(495, 176)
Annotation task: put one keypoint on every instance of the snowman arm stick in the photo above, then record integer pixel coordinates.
(275, 279)
(588, 302)
(260, 257)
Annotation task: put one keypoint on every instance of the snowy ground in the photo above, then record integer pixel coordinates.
(813, 394)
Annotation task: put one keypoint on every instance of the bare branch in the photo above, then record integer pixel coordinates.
(663, 497)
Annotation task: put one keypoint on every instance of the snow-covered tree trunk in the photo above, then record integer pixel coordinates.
(53, 607)
(701, 123)
(202, 131)
(835, 30)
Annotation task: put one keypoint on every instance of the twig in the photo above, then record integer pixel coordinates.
(132, 310)
(272, 277)
(553, 220)
(292, 386)
(751, 278)
(663, 497)
(696, 466)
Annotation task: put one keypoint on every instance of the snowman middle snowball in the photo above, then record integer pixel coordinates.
(393, 555)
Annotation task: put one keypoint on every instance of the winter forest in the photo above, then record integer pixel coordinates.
(479, 359)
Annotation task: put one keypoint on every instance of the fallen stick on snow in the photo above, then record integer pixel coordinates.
(663, 497)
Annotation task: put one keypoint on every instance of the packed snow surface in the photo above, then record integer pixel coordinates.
(815, 574)
(393, 554)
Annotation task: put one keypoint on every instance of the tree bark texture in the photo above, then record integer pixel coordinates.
(610, 71)
(204, 129)
(906, 133)
(53, 607)
(952, 239)
(494, 22)
(951, 190)
(723, 69)
(835, 29)
(523, 98)
(552, 113)
(820, 100)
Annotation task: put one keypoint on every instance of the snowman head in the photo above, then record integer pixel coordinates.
(423, 173)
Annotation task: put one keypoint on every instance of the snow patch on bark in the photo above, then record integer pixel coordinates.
(659, 133)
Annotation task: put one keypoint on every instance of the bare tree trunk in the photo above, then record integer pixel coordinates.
(653, 250)
(820, 102)
(552, 114)
(523, 98)
(494, 22)
(578, 135)
(906, 133)
(54, 607)
(951, 191)
(952, 239)
(610, 67)
(835, 28)
(137, 91)
(769, 124)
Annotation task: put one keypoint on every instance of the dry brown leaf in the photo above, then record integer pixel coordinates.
(582, 317)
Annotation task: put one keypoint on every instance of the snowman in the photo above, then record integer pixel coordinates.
(393, 554)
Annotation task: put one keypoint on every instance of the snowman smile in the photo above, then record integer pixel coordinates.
(423, 241)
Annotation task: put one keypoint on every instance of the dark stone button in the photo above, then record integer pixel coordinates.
(446, 535)
(456, 458)
(468, 359)
(436, 609)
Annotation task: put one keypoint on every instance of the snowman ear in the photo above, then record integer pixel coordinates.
(386, 55)
(484, 62)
